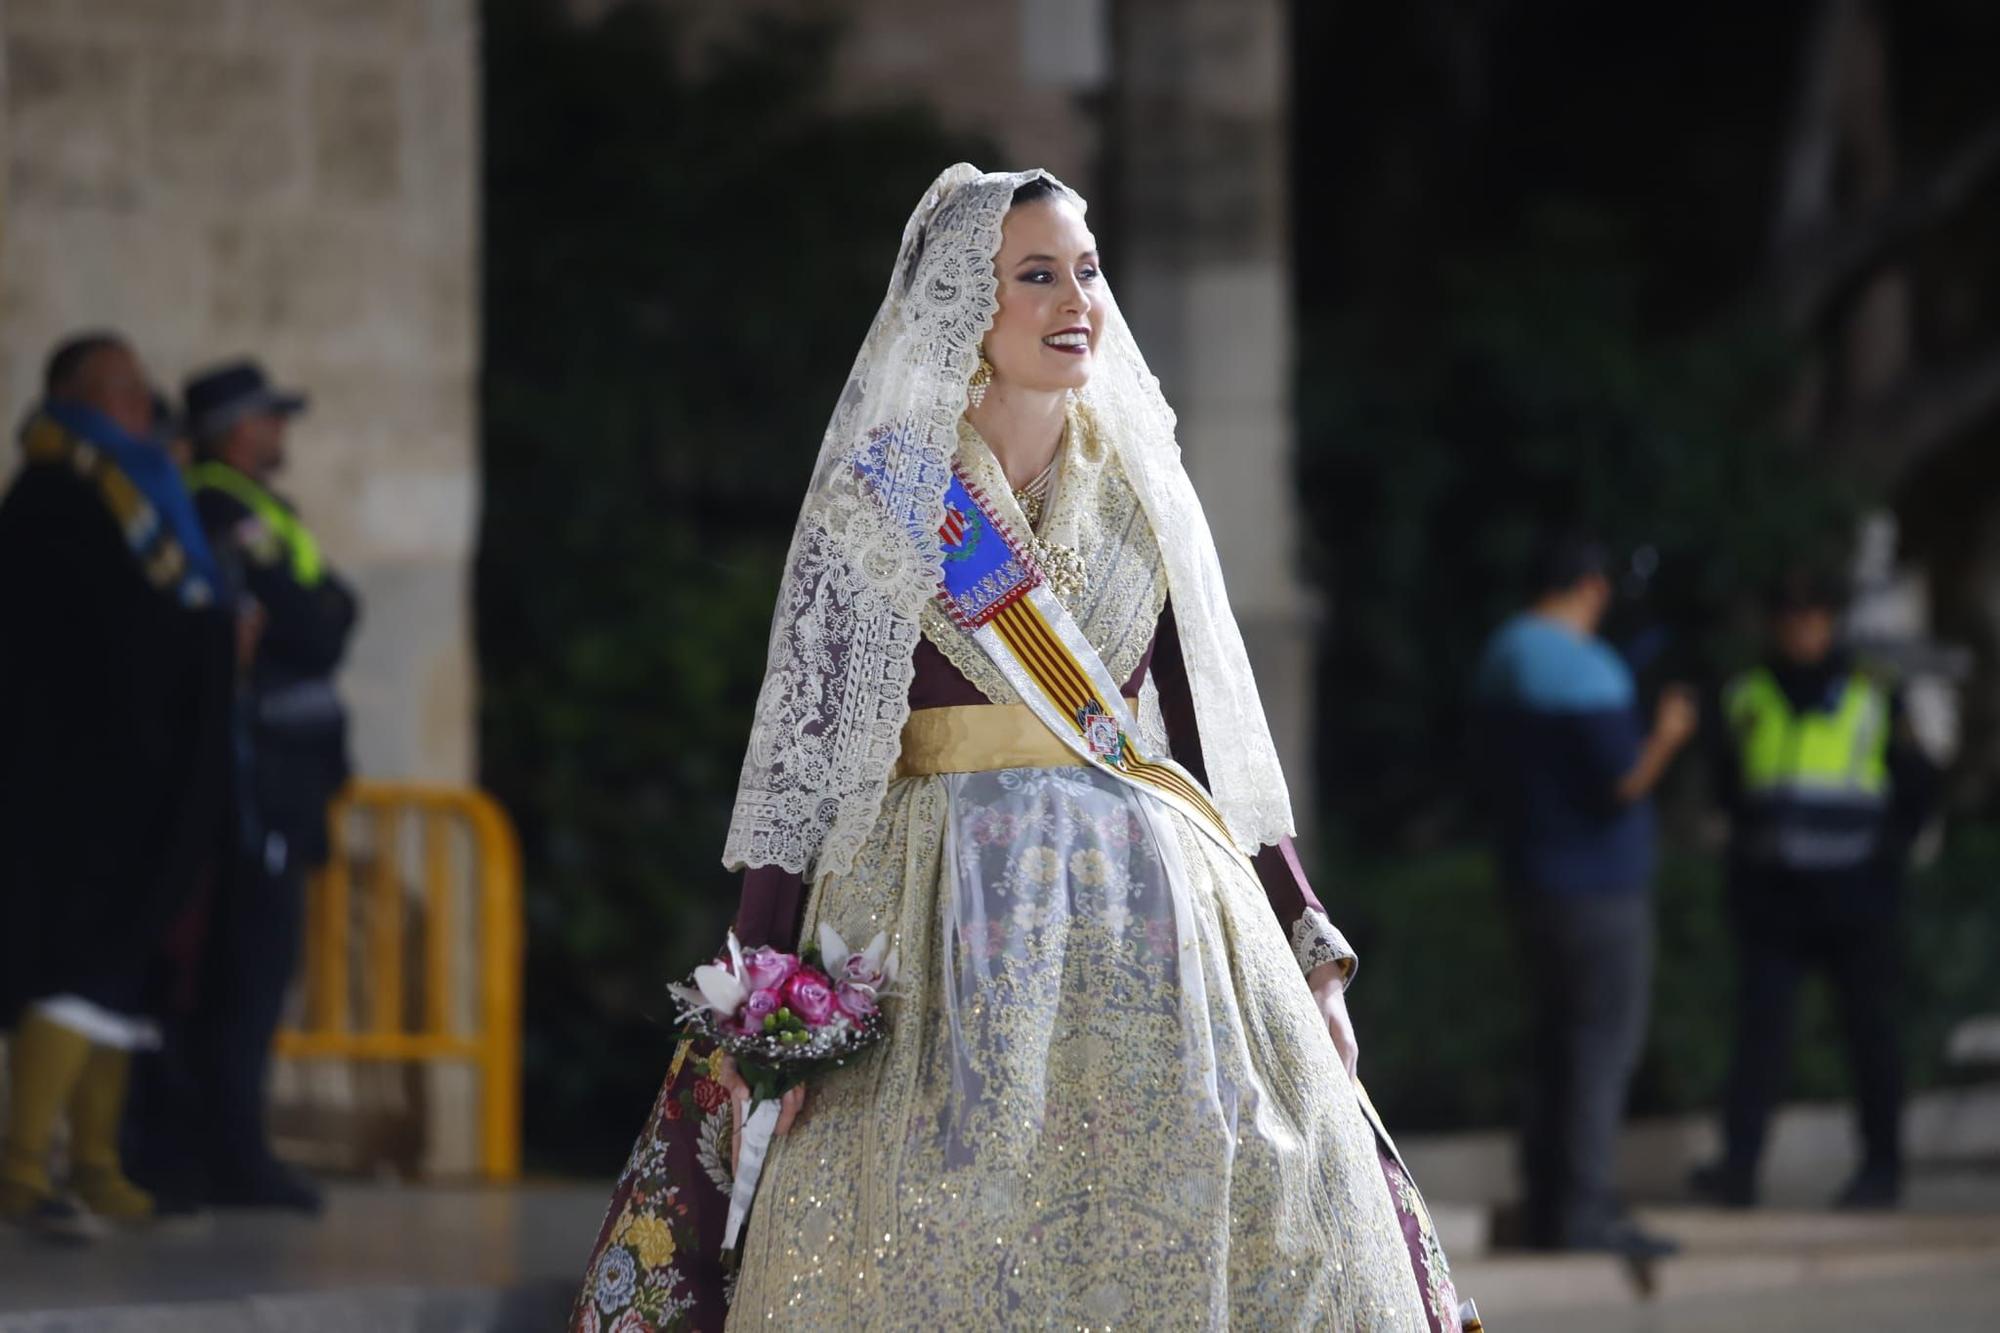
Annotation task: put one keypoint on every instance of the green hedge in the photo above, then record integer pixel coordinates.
(683, 249)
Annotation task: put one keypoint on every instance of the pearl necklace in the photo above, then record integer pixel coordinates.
(1034, 497)
(1060, 565)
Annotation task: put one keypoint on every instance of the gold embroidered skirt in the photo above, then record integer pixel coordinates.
(1107, 1099)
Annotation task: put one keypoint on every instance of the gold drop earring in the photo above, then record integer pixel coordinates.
(982, 376)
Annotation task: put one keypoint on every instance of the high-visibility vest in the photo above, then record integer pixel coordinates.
(307, 565)
(1817, 780)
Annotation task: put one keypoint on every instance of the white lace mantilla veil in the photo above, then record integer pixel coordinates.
(865, 556)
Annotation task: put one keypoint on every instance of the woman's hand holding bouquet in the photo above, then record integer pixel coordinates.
(780, 1018)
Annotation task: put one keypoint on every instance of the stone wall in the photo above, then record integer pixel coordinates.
(293, 179)
(1202, 124)
(1022, 73)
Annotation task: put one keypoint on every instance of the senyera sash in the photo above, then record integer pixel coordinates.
(995, 594)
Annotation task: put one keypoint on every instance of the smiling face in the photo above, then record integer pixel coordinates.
(1052, 299)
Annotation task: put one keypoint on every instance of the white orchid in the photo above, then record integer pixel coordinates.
(833, 951)
(874, 967)
(717, 987)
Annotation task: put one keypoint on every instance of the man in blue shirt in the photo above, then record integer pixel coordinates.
(1568, 769)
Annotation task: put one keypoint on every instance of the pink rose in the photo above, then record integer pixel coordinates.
(760, 1004)
(764, 968)
(857, 1002)
(810, 995)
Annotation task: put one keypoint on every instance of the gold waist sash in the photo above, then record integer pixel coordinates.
(978, 738)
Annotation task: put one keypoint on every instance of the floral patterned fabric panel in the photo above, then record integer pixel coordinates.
(656, 1267)
(1426, 1250)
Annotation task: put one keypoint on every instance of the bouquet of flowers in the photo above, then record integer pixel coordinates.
(784, 1017)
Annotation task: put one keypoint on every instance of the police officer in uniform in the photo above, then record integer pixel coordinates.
(293, 739)
(1826, 789)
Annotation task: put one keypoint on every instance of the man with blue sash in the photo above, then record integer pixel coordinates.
(116, 665)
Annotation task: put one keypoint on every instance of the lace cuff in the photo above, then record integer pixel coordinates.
(1316, 941)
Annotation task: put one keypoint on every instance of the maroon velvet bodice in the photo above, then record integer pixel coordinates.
(773, 899)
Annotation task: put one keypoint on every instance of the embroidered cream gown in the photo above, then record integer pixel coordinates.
(1108, 1099)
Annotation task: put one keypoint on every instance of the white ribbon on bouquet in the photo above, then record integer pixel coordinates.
(757, 1129)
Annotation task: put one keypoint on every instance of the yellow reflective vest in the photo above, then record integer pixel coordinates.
(307, 565)
(1817, 781)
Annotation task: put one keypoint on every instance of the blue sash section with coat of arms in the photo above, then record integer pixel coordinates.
(984, 571)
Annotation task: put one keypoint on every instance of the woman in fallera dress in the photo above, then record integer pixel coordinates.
(1007, 718)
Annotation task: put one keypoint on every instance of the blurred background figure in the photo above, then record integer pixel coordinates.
(171, 432)
(1826, 789)
(294, 729)
(1569, 770)
(114, 759)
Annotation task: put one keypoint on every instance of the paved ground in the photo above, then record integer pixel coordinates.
(382, 1258)
(439, 1260)
(1931, 1266)
(1964, 1298)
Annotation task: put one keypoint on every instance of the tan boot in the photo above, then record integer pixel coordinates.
(96, 1109)
(44, 1062)
(109, 1195)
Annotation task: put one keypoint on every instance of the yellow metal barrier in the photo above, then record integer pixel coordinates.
(386, 1030)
